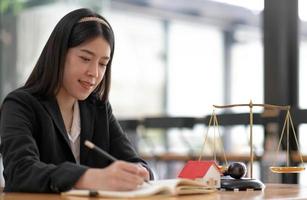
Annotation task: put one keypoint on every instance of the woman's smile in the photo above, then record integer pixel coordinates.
(86, 85)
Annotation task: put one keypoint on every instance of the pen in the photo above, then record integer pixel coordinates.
(90, 145)
(103, 153)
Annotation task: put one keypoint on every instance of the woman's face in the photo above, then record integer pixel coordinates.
(85, 66)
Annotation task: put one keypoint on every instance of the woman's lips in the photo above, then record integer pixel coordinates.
(86, 85)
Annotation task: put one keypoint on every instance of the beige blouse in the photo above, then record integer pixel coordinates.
(74, 135)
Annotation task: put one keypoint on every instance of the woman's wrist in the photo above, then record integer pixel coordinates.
(87, 180)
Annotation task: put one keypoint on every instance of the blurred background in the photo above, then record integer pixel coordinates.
(173, 60)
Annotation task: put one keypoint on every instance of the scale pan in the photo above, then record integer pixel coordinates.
(287, 169)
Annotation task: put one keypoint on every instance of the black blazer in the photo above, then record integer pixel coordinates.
(35, 146)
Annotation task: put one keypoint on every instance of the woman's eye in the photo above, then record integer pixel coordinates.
(102, 65)
(84, 58)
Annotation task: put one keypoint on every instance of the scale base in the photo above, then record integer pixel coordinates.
(241, 184)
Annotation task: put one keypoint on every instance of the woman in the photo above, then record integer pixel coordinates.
(63, 103)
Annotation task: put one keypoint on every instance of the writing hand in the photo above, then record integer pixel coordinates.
(120, 175)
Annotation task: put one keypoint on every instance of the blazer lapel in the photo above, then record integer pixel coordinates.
(54, 110)
(87, 115)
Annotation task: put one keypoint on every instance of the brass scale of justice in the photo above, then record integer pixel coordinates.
(286, 126)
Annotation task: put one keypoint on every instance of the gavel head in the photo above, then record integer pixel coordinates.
(236, 170)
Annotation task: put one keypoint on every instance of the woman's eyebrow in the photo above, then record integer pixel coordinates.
(87, 51)
(93, 54)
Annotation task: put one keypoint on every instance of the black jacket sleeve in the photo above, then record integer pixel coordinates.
(23, 170)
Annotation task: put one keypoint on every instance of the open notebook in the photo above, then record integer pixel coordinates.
(168, 186)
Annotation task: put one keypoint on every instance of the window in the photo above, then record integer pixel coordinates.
(195, 69)
(138, 69)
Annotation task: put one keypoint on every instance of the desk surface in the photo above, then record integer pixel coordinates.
(272, 191)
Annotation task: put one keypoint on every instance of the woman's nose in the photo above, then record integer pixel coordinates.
(93, 70)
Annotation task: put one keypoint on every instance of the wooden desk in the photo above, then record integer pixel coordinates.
(272, 191)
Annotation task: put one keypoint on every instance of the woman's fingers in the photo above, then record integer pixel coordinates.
(132, 168)
(124, 175)
(143, 172)
(127, 172)
(119, 175)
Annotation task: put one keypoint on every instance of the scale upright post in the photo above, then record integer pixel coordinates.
(251, 121)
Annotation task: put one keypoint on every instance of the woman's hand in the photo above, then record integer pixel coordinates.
(120, 175)
(144, 172)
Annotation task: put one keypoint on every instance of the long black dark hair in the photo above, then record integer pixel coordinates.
(47, 75)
